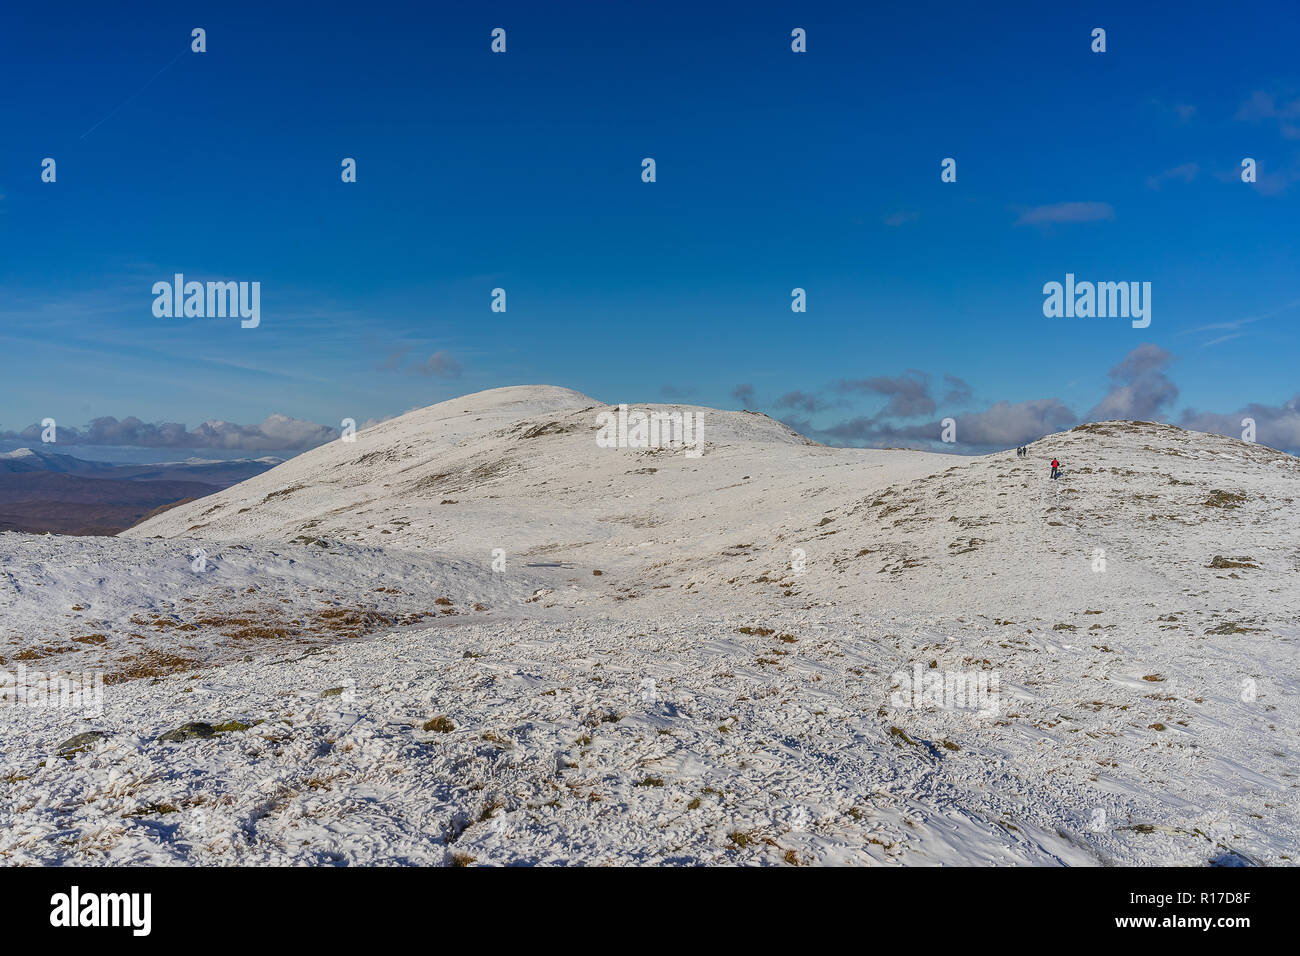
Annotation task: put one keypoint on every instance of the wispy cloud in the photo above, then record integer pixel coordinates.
(1183, 112)
(1263, 106)
(440, 364)
(678, 391)
(1274, 182)
(958, 392)
(900, 218)
(806, 401)
(1064, 212)
(1221, 339)
(1186, 172)
(909, 393)
(1235, 326)
(394, 359)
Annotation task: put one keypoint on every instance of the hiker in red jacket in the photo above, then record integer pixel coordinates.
(1056, 468)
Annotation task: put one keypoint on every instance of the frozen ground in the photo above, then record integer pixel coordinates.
(723, 690)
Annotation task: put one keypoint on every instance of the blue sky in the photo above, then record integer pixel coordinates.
(775, 170)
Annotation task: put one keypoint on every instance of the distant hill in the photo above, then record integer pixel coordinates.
(44, 491)
(26, 460)
(223, 474)
(71, 504)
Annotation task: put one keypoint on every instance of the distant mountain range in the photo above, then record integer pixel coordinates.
(44, 491)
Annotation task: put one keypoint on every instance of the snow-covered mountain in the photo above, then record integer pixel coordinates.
(519, 469)
(474, 633)
(23, 460)
(215, 471)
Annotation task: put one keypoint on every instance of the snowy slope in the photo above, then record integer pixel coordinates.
(467, 477)
(682, 659)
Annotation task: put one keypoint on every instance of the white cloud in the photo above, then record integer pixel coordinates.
(1066, 212)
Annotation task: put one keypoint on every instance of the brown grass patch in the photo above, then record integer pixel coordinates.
(1223, 499)
(151, 663)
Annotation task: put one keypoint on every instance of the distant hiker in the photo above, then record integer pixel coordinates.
(1056, 468)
